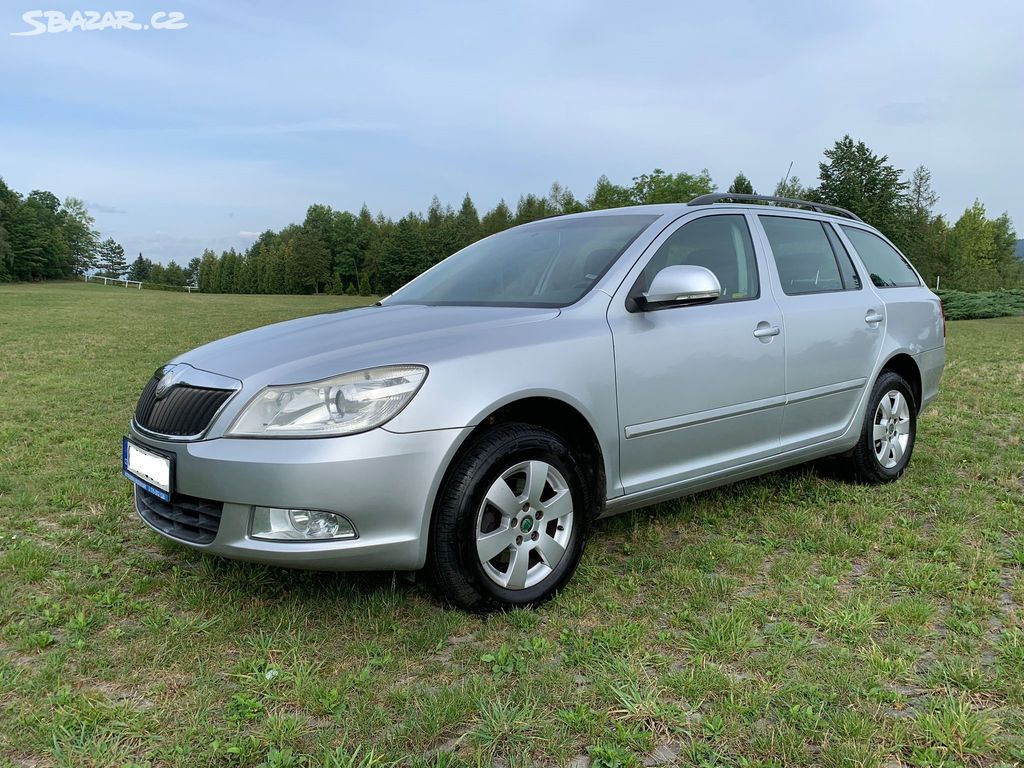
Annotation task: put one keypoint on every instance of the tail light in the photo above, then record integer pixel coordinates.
(942, 314)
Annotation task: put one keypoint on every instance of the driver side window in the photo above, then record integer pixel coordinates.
(720, 243)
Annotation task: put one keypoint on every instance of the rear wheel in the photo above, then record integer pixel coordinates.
(511, 520)
(888, 433)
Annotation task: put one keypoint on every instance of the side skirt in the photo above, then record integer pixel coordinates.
(621, 504)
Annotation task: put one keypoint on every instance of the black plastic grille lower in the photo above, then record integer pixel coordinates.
(182, 412)
(184, 517)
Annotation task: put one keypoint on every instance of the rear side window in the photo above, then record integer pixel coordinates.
(888, 269)
(720, 243)
(803, 255)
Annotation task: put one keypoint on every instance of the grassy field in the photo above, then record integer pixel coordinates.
(788, 620)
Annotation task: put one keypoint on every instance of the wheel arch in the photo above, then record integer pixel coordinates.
(556, 414)
(560, 416)
(905, 365)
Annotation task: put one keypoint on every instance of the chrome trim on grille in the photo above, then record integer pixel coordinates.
(166, 379)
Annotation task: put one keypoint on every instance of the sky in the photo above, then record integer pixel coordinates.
(183, 139)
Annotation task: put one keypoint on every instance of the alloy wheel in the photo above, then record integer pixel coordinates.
(524, 524)
(891, 432)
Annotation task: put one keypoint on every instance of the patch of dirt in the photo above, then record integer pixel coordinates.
(664, 754)
(121, 694)
(846, 584)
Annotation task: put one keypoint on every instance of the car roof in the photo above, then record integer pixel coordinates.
(675, 210)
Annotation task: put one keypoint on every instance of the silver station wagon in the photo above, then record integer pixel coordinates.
(476, 422)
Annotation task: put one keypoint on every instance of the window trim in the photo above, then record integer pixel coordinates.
(870, 231)
(837, 238)
(823, 223)
(668, 233)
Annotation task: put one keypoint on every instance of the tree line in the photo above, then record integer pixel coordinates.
(172, 274)
(42, 238)
(358, 253)
(974, 253)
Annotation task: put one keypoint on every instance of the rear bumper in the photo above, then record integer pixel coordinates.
(384, 482)
(930, 364)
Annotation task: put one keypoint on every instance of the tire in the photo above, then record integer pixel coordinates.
(883, 460)
(521, 485)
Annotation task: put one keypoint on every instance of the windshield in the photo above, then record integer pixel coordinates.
(551, 263)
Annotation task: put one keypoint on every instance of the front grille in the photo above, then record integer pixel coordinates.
(184, 411)
(184, 517)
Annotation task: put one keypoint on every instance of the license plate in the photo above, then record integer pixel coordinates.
(149, 470)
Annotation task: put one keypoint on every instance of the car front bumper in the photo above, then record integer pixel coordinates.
(384, 482)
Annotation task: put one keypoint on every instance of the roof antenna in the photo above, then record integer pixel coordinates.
(787, 173)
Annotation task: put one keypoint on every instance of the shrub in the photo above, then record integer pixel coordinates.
(961, 305)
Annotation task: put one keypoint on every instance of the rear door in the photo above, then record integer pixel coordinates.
(834, 325)
(697, 390)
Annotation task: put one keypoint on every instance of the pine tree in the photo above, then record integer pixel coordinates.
(110, 259)
(209, 272)
(192, 271)
(923, 234)
(174, 274)
(467, 224)
(854, 177)
(316, 249)
(741, 186)
(533, 208)
(405, 253)
(141, 269)
(439, 235)
(348, 252)
(563, 201)
(496, 220)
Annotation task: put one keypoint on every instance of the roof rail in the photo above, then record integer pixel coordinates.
(720, 197)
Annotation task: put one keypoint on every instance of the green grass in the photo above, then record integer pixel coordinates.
(788, 620)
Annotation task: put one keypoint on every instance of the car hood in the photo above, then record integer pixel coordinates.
(316, 347)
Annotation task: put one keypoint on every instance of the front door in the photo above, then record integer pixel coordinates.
(700, 388)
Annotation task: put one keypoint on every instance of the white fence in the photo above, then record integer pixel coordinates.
(114, 280)
(136, 283)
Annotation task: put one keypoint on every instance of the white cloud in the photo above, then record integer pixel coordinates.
(368, 105)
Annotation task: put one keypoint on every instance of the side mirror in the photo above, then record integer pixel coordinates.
(680, 286)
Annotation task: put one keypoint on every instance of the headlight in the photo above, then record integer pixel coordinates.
(342, 405)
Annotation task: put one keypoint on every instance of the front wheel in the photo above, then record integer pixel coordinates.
(511, 520)
(887, 436)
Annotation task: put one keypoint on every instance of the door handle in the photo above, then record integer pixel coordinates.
(873, 318)
(764, 330)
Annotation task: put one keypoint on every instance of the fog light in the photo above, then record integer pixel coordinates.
(277, 524)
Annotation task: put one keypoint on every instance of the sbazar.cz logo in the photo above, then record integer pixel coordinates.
(41, 22)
